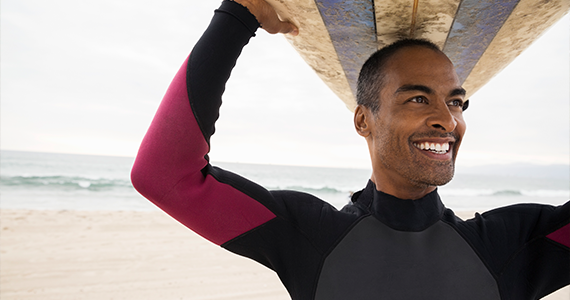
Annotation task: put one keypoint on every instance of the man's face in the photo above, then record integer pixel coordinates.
(415, 135)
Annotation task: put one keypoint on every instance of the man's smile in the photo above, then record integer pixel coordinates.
(437, 148)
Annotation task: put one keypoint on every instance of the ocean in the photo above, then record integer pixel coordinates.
(52, 181)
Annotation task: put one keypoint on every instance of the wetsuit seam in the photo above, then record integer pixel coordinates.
(516, 253)
(234, 184)
(553, 242)
(333, 246)
(479, 255)
(301, 231)
(241, 235)
(193, 106)
(345, 233)
(496, 276)
(556, 226)
(523, 246)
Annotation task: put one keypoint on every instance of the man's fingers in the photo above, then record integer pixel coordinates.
(280, 27)
(289, 28)
(267, 16)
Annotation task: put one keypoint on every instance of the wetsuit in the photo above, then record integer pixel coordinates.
(378, 247)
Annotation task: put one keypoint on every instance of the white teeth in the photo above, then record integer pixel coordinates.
(433, 147)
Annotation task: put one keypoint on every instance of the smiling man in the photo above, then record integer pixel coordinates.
(413, 119)
(396, 239)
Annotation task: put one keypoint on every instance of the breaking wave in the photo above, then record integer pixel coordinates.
(63, 182)
(506, 192)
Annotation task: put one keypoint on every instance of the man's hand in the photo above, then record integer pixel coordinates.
(268, 18)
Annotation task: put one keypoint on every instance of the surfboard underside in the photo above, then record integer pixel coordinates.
(481, 37)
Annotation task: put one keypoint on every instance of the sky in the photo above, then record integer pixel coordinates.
(86, 77)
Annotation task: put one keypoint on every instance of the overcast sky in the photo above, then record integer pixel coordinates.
(87, 76)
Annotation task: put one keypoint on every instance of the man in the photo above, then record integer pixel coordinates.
(395, 240)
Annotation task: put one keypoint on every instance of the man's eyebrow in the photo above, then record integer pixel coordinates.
(458, 92)
(414, 87)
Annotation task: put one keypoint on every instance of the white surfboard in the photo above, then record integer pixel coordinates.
(481, 37)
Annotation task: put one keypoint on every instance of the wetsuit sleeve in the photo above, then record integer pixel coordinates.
(172, 168)
(289, 232)
(527, 246)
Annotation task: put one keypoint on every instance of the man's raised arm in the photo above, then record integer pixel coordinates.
(171, 168)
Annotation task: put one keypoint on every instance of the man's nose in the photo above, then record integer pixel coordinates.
(442, 119)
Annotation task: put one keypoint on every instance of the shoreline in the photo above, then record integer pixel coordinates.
(66, 254)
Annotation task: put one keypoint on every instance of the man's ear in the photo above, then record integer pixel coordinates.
(362, 120)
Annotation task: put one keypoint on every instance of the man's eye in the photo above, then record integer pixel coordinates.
(456, 102)
(419, 99)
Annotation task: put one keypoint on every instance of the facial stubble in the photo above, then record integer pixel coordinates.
(415, 167)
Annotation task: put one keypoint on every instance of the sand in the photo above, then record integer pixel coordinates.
(123, 255)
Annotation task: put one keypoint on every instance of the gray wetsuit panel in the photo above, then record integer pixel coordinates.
(375, 261)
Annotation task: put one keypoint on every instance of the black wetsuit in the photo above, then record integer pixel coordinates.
(378, 247)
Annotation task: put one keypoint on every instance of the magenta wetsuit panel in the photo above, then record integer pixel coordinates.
(169, 170)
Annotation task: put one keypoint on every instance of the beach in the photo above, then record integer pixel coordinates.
(48, 254)
(71, 254)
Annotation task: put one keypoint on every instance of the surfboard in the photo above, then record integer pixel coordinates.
(481, 37)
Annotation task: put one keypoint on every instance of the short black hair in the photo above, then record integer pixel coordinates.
(371, 77)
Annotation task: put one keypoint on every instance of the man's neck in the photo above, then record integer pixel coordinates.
(400, 188)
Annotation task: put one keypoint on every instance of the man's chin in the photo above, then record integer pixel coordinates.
(442, 181)
(438, 176)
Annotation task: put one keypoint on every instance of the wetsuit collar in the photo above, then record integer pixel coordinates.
(399, 214)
